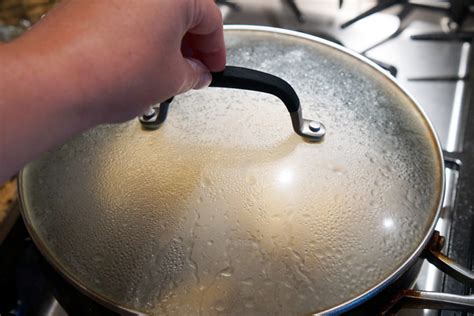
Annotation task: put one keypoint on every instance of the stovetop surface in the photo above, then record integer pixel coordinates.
(435, 73)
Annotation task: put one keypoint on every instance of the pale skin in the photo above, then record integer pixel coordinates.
(93, 62)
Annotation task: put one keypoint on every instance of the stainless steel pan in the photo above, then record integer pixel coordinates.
(226, 210)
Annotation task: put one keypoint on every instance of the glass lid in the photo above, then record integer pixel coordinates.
(225, 209)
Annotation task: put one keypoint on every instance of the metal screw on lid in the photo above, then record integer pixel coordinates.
(149, 113)
(314, 126)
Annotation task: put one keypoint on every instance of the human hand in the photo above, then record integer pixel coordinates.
(116, 57)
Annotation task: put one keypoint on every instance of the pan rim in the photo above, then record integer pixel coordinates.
(340, 308)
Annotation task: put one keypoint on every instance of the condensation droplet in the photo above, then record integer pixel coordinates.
(227, 272)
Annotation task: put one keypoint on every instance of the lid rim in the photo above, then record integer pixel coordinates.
(343, 307)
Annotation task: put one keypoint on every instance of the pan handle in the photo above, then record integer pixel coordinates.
(438, 300)
(254, 80)
(434, 255)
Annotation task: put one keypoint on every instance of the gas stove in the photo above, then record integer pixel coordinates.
(425, 45)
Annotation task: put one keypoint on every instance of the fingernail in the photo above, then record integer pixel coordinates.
(206, 78)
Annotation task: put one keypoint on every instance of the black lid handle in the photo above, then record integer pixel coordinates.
(249, 79)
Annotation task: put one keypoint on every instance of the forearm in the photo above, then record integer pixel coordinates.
(60, 78)
(39, 106)
(93, 62)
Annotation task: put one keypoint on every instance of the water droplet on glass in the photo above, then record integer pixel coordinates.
(249, 304)
(219, 307)
(227, 272)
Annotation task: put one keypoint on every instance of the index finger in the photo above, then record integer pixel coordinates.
(206, 35)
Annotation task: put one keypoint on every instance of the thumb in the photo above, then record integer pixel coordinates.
(195, 75)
